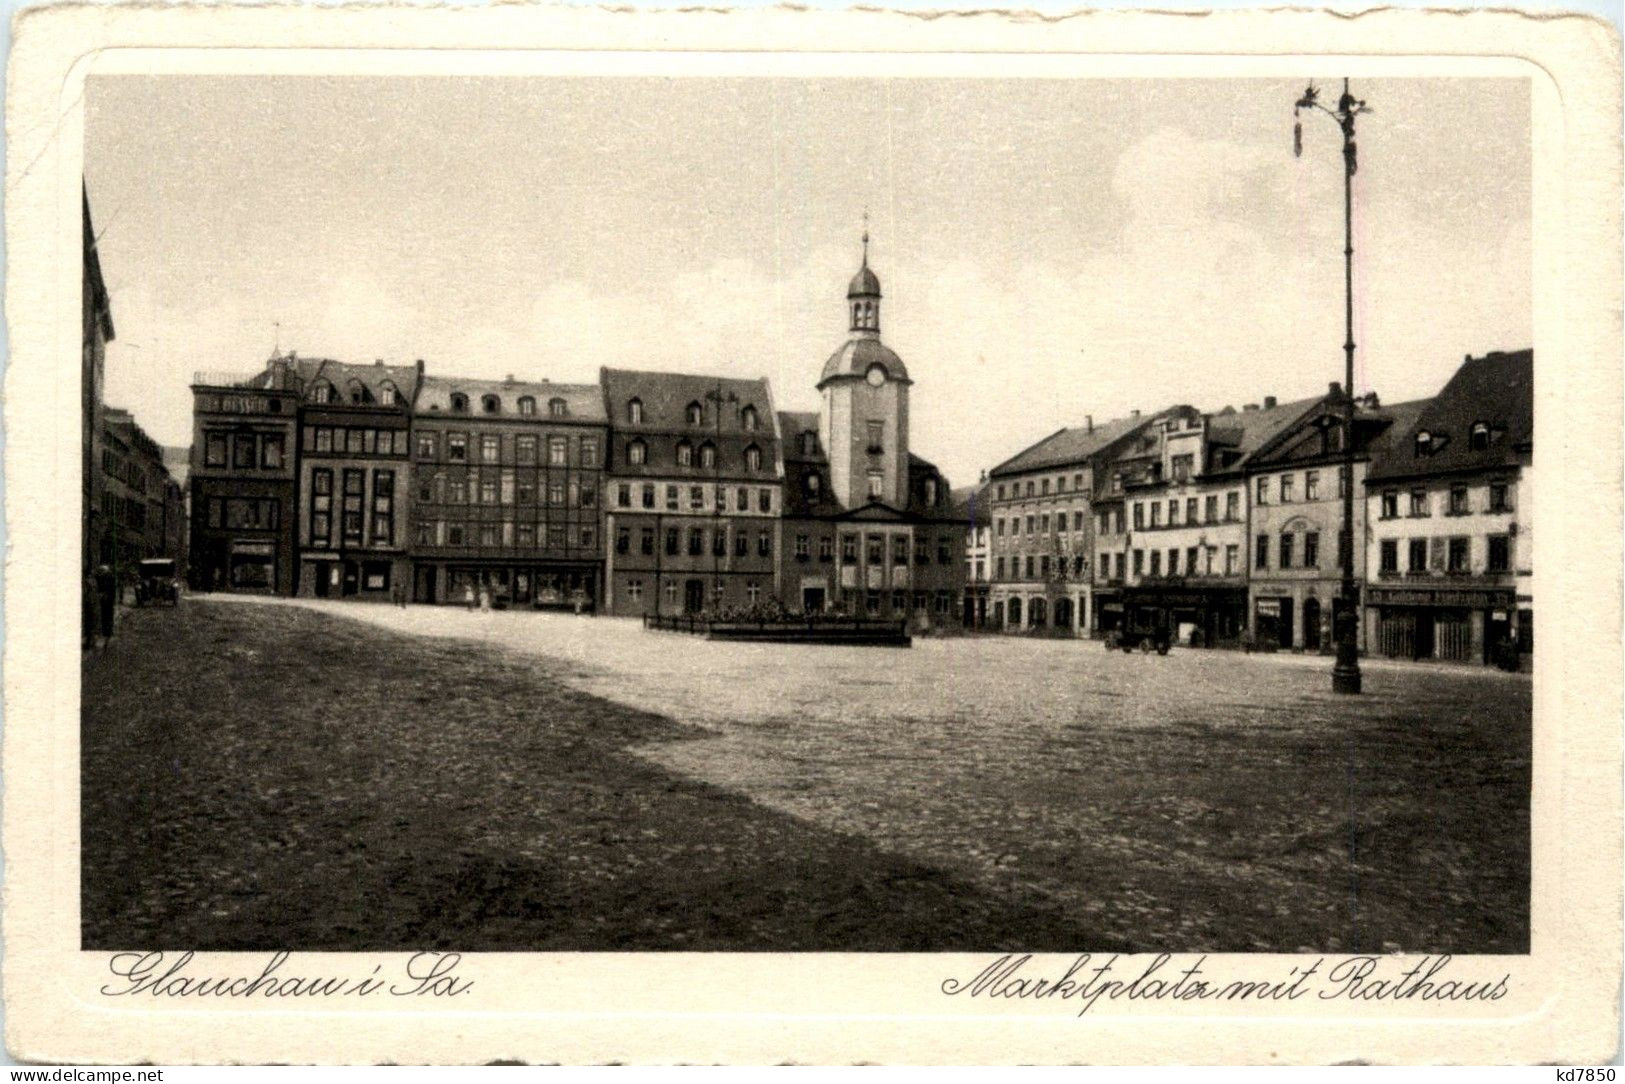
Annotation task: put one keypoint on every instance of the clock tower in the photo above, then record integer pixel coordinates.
(864, 423)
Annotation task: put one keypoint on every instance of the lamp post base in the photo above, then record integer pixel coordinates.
(1346, 671)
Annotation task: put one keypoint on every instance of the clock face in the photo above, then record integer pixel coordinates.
(876, 375)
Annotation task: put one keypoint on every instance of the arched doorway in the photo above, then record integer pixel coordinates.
(1015, 613)
(1040, 613)
(998, 615)
(1063, 613)
(1311, 624)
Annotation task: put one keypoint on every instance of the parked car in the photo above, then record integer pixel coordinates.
(1146, 636)
(156, 582)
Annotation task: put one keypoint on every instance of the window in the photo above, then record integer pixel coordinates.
(812, 485)
(459, 403)
(1182, 467)
(1156, 513)
(1139, 562)
(685, 454)
(524, 448)
(1043, 523)
(671, 541)
(646, 541)
(634, 590)
(524, 488)
(354, 485)
(764, 544)
(809, 443)
(623, 540)
(426, 444)
(457, 447)
(1029, 566)
(826, 548)
(589, 495)
(1311, 549)
(1478, 437)
(1139, 516)
(1390, 555)
(1190, 510)
(1173, 513)
(764, 501)
(214, 450)
(1286, 551)
(1417, 557)
(1457, 555)
(383, 508)
(1232, 558)
(1311, 485)
(491, 404)
(1190, 560)
(671, 498)
(427, 532)
(1263, 495)
(555, 493)
(1286, 488)
(1210, 510)
(708, 455)
(1419, 502)
(753, 458)
(877, 438)
(696, 497)
(488, 490)
(556, 408)
(527, 405)
(741, 544)
(803, 547)
(1232, 507)
(696, 542)
(695, 414)
(1390, 503)
(719, 543)
(1261, 552)
(242, 452)
(557, 452)
(623, 495)
(490, 448)
(354, 441)
(945, 550)
(849, 549)
(637, 453)
(876, 485)
(648, 498)
(455, 534)
(749, 419)
(322, 392)
(324, 439)
(1458, 501)
(321, 507)
(589, 451)
(1043, 487)
(1424, 442)
(1500, 554)
(634, 411)
(1499, 494)
(555, 538)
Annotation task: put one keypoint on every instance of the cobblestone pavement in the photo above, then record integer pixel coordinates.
(1201, 801)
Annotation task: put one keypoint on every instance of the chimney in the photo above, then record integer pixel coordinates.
(377, 361)
(1248, 408)
(1269, 402)
(508, 379)
(1088, 423)
(1334, 389)
(1134, 413)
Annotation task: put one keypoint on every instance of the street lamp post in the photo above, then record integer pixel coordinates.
(1345, 624)
(717, 398)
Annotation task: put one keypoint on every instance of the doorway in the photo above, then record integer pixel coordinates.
(1285, 624)
(1311, 624)
(693, 596)
(427, 584)
(812, 600)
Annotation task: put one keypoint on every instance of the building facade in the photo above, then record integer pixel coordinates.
(695, 484)
(1450, 543)
(245, 441)
(141, 507)
(1295, 515)
(506, 493)
(354, 480)
(970, 508)
(1042, 548)
(97, 326)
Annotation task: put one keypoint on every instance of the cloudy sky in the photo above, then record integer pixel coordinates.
(1049, 249)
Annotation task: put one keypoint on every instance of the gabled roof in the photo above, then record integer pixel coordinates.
(1497, 390)
(1247, 431)
(582, 402)
(793, 423)
(666, 396)
(342, 375)
(1069, 447)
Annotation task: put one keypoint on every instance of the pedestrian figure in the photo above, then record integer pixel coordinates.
(485, 599)
(468, 596)
(576, 597)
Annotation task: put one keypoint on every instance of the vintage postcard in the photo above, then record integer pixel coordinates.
(583, 535)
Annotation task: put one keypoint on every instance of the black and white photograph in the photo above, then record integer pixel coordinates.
(873, 514)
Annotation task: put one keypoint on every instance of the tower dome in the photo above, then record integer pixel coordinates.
(864, 283)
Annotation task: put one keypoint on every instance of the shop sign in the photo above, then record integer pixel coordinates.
(1269, 607)
(1413, 596)
(254, 549)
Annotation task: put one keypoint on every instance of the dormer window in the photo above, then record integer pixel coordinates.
(527, 405)
(388, 395)
(809, 443)
(556, 408)
(685, 454)
(695, 414)
(634, 412)
(749, 420)
(491, 404)
(812, 485)
(637, 453)
(322, 392)
(708, 455)
(459, 403)
(753, 458)
(1478, 438)
(1424, 442)
(358, 393)
(931, 491)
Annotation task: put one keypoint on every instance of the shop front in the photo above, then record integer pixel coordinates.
(549, 585)
(1456, 624)
(1193, 614)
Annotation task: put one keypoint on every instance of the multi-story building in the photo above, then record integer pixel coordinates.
(1042, 515)
(97, 326)
(1185, 502)
(141, 506)
(883, 515)
(1295, 517)
(354, 479)
(507, 487)
(695, 481)
(244, 477)
(970, 508)
(1449, 539)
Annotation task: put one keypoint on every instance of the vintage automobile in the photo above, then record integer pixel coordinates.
(156, 582)
(1145, 634)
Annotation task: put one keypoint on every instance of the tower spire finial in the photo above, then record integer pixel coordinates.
(866, 237)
